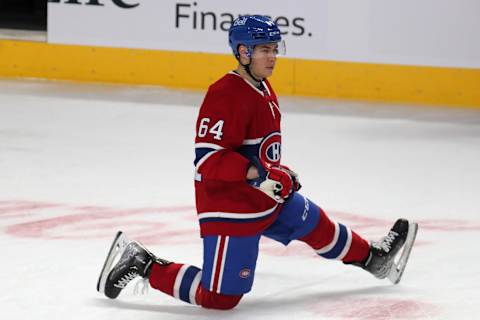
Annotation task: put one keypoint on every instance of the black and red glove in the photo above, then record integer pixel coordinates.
(275, 181)
(296, 182)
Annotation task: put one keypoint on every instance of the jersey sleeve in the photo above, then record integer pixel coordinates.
(221, 128)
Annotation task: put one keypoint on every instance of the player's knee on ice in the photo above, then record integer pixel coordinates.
(212, 300)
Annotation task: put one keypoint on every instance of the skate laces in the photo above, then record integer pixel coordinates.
(122, 283)
(141, 287)
(386, 243)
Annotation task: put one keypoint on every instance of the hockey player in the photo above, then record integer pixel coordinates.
(244, 192)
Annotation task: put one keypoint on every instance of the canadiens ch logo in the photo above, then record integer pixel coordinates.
(271, 148)
(244, 273)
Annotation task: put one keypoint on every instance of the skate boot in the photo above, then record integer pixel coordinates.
(381, 260)
(135, 261)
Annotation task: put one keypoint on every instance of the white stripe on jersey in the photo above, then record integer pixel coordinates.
(251, 85)
(266, 88)
(204, 158)
(216, 148)
(236, 215)
(208, 145)
(252, 141)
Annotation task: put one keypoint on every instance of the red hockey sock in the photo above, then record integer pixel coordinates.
(183, 282)
(333, 240)
(177, 280)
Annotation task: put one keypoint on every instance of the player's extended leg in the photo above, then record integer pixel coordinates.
(303, 220)
(227, 274)
(331, 239)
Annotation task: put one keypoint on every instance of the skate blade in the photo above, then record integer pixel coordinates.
(395, 274)
(116, 250)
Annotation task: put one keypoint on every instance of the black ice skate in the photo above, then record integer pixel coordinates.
(135, 261)
(381, 261)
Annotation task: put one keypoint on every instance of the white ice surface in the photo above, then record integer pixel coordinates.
(78, 162)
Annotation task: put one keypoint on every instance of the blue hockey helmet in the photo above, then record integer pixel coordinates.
(251, 31)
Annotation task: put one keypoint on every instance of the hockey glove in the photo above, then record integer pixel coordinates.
(294, 176)
(274, 181)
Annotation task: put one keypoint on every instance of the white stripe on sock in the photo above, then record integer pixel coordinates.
(194, 287)
(348, 244)
(178, 281)
(333, 242)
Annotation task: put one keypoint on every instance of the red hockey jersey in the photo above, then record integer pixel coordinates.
(236, 122)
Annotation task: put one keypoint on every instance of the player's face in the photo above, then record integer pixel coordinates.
(263, 59)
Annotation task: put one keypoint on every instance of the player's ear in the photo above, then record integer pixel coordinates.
(243, 52)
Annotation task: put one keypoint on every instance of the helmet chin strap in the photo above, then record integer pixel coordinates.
(247, 68)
